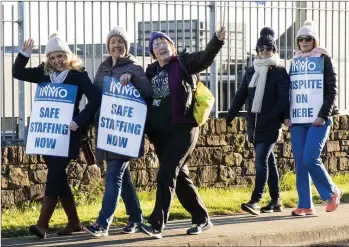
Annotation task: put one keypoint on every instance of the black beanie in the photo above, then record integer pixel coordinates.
(267, 38)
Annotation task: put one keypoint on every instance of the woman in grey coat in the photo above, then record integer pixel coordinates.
(117, 178)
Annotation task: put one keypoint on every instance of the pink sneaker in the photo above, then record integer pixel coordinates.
(334, 201)
(303, 211)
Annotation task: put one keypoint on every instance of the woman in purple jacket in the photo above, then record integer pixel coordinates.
(172, 128)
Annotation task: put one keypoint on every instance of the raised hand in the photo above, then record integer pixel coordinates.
(221, 33)
(28, 45)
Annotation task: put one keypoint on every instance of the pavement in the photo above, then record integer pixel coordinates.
(274, 229)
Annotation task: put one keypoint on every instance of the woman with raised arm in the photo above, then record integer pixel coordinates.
(172, 128)
(61, 66)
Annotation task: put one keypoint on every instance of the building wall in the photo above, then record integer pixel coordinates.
(195, 36)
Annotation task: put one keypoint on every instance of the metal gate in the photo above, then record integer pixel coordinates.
(85, 25)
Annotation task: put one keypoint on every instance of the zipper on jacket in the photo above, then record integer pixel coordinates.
(255, 126)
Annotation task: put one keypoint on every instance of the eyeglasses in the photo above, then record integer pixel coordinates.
(264, 48)
(307, 39)
(157, 45)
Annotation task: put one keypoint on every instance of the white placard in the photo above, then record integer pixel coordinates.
(122, 118)
(307, 85)
(52, 112)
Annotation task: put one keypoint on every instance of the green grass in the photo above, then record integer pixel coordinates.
(219, 201)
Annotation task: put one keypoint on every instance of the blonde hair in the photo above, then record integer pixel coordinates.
(73, 62)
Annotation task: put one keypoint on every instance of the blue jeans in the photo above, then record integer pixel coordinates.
(307, 143)
(118, 182)
(266, 171)
(130, 198)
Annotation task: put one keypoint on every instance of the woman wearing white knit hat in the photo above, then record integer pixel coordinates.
(120, 64)
(61, 66)
(308, 137)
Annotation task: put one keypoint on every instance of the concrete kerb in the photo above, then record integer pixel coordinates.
(297, 238)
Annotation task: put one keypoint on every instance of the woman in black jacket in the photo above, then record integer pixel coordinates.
(265, 86)
(62, 66)
(309, 137)
(172, 128)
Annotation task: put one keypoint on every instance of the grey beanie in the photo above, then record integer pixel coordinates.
(121, 32)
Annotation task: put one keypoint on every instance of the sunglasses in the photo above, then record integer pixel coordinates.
(264, 48)
(307, 39)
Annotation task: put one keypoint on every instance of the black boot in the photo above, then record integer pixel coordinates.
(273, 206)
(251, 207)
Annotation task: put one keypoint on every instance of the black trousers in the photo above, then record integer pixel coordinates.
(173, 150)
(57, 180)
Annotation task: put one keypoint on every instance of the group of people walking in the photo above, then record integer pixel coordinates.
(168, 86)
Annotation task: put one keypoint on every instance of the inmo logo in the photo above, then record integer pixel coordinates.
(128, 90)
(303, 65)
(51, 91)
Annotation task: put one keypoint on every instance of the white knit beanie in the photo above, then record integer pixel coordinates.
(121, 32)
(56, 43)
(307, 30)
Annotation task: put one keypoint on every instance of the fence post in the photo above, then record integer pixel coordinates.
(2, 85)
(21, 93)
(213, 68)
(301, 14)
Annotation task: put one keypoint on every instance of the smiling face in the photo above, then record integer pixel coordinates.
(305, 43)
(58, 60)
(163, 50)
(117, 47)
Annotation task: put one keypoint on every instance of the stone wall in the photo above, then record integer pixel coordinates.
(223, 157)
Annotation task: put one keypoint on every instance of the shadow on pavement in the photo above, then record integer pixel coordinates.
(80, 238)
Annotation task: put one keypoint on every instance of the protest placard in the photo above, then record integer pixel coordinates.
(122, 118)
(306, 91)
(52, 112)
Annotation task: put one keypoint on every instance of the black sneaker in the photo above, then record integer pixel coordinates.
(131, 227)
(196, 229)
(148, 229)
(273, 206)
(251, 207)
(96, 230)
